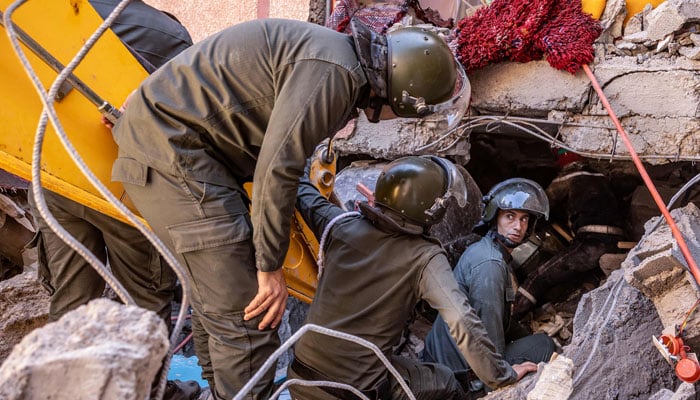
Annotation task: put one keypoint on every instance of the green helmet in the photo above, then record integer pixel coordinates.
(516, 194)
(414, 71)
(418, 188)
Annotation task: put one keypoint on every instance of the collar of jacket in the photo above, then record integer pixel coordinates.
(498, 239)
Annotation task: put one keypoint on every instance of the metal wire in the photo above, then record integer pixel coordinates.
(49, 114)
(328, 332)
(528, 126)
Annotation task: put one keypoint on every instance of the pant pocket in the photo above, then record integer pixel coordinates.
(219, 256)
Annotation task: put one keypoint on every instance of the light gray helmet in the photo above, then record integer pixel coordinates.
(516, 194)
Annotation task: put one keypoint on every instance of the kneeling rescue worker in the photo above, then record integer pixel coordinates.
(379, 262)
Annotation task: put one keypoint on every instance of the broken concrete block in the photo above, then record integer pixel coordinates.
(692, 53)
(613, 326)
(670, 16)
(24, 306)
(555, 382)
(391, 139)
(658, 269)
(685, 391)
(99, 351)
(517, 88)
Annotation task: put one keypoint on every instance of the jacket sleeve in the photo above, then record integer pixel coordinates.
(439, 288)
(316, 210)
(487, 287)
(312, 105)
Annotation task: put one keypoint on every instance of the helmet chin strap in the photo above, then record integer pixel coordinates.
(376, 104)
(506, 242)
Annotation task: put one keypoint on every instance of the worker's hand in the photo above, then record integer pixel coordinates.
(109, 123)
(524, 368)
(272, 296)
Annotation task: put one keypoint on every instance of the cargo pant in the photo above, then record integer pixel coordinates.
(72, 281)
(208, 228)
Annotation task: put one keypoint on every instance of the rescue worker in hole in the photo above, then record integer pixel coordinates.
(378, 264)
(251, 103)
(588, 204)
(153, 37)
(484, 275)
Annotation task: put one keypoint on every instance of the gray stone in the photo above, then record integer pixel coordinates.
(518, 89)
(670, 16)
(692, 53)
(24, 306)
(99, 351)
(659, 270)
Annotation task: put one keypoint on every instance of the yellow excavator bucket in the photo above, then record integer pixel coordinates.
(54, 31)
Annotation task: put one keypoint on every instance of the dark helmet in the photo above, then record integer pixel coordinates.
(418, 188)
(414, 71)
(516, 194)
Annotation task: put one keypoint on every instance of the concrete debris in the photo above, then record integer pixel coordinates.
(99, 351)
(671, 16)
(685, 391)
(658, 269)
(24, 306)
(555, 383)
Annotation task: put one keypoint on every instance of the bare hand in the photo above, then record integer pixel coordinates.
(524, 369)
(271, 296)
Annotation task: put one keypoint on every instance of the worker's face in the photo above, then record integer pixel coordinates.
(513, 224)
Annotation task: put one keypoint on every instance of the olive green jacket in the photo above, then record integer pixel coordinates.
(373, 278)
(249, 102)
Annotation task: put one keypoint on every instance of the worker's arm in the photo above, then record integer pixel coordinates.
(486, 286)
(439, 288)
(316, 210)
(314, 103)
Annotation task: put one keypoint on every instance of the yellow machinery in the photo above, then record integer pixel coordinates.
(59, 28)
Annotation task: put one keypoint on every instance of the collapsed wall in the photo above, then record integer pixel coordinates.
(649, 70)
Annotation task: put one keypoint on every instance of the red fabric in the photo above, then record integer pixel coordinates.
(526, 30)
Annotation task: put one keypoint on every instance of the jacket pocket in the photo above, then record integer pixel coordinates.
(210, 232)
(128, 170)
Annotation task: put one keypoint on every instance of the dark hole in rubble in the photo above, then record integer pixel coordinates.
(495, 158)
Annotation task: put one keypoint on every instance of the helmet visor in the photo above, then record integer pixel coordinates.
(452, 110)
(456, 186)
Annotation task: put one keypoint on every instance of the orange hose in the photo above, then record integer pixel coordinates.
(645, 176)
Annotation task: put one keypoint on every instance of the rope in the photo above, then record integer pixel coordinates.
(324, 236)
(49, 114)
(328, 332)
(336, 385)
(645, 177)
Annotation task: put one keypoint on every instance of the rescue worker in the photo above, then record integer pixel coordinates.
(483, 273)
(378, 264)
(586, 201)
(251, 103)
(154, 37)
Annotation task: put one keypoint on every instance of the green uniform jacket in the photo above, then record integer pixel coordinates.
(250, 102)
(372, 280)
